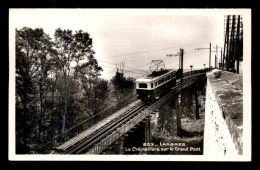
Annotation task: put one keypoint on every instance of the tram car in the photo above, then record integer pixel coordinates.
(155, 85)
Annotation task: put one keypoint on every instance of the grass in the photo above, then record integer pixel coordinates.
(192, 125)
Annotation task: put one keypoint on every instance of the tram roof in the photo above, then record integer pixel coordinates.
(156, 74)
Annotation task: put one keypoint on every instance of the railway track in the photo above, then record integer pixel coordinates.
(186, 79)
(101, 133)
(105, 130)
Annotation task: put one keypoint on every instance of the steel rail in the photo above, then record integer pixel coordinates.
(99, 138)
(103, 127)
(188, 78)
(100, 146)
(108, 128)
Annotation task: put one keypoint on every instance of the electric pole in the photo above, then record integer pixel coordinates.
(215, 61)
(180, 63)
(180, 54)
(237, 43)
(180, 73)
(226, 45)
(232, 44)
(216, 55)
(221, 59)
(209, 53)
(180, 113)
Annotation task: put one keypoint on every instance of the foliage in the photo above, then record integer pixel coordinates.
(168, 119)
(57, 85)
(122, 85)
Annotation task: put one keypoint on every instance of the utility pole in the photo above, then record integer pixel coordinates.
(221, 59)
(237, 43)
(216, 55)
(191, 69)
(180, 63)
(180, 54)
(179, 113)
(197, 101)
(209, 53)
(231, 47)
(216, 59)
(226, 45)
(232, 44)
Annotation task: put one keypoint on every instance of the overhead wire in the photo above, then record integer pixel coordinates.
(150, 63)
(152, 40)
(126, 70)
(115, 64)
(156, 50)
(185, 52)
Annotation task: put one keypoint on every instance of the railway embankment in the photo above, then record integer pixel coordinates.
(223, 132)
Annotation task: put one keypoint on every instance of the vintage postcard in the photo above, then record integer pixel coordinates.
(130, 84)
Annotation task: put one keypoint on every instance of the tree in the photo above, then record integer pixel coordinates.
(74, 49)
(100, 94)
(57, 85)
(32, 50)
(122, 85)
(23, 98)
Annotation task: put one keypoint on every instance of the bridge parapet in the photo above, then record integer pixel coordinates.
(135, 120)
(224, 113)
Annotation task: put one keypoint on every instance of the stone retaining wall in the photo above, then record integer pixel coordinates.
(223, 134)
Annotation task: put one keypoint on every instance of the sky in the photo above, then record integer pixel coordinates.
(135, 37)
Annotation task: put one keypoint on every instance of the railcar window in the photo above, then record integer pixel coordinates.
(168, 78)
(155, 84)
(160, 81)
(142, 85)
(151, 85)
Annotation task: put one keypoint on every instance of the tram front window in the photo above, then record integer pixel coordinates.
(142, 85)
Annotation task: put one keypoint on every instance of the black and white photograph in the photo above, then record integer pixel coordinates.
(129, 84)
